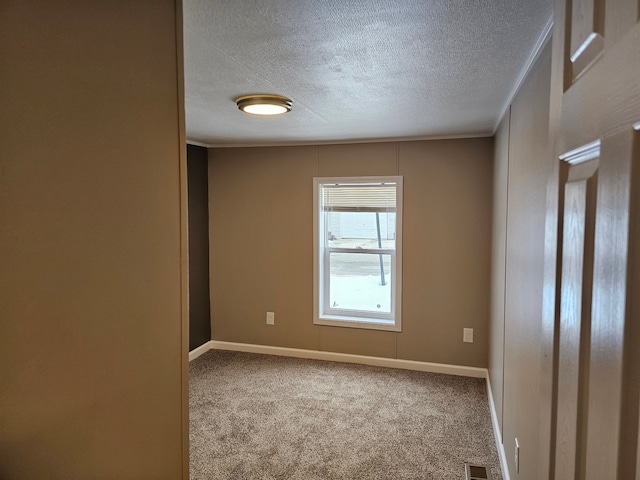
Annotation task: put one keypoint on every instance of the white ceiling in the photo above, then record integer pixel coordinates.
(357, 70)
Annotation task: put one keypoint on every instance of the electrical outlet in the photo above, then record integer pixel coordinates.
(467, 335)
(271, 318)
(516, 456)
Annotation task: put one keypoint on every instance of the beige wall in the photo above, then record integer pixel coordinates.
(518, 267)
(92, 357)
(261, 246)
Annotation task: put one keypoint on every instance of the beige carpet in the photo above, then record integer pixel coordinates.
(266, 417)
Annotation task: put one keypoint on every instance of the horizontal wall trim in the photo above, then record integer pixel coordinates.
(306, 143)
(204, 348)
(497, 434)
(346, 358)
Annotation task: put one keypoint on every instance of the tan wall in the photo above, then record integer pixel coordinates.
(90, 268)
(525, 195)
(261, 246)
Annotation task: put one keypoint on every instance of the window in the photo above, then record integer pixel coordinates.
(358, 252)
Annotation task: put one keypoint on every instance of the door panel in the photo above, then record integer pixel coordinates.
(592, 407)
(608, 310)
(587, 33)
(619, 19)
(605, 98)
(575, 317)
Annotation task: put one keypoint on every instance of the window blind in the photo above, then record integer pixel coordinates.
(359, 198)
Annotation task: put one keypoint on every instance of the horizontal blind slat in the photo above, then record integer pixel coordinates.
(377, 197)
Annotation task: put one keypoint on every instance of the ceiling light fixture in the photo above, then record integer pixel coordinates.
(264, 104)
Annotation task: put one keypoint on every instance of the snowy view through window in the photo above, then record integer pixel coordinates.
(360, 281)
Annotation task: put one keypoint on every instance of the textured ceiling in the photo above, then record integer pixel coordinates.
(357, 70)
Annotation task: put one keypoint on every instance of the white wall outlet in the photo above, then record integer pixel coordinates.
(467, 335)
(516, 456)
(271, 318)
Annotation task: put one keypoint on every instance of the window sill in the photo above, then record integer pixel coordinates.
(358, 322)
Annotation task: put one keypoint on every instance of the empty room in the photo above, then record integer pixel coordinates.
(320, 240)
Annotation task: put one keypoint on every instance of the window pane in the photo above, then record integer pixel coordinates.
(360, 229)
(356, 282)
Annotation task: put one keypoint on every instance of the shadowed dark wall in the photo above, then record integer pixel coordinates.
(199, 318)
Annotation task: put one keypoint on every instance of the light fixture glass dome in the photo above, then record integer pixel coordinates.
(264, 104)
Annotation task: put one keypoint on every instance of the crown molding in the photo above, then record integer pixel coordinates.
(344, 142)
(543, 39)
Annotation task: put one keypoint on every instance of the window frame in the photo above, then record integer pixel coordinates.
(323, 313)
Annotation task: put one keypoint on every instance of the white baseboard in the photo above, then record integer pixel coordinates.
(349, 358)
(196, 352)
(497, 434)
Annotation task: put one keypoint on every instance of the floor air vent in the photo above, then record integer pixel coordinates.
(477, 472)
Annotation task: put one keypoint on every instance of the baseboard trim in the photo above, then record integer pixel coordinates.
(350, 358)
(204, 348)
(497, 434)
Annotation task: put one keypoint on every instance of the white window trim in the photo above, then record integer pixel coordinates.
(389, 322)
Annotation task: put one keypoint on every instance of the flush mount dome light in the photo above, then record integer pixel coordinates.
(264, 104)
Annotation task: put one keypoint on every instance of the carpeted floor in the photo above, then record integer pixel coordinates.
(267, 417)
